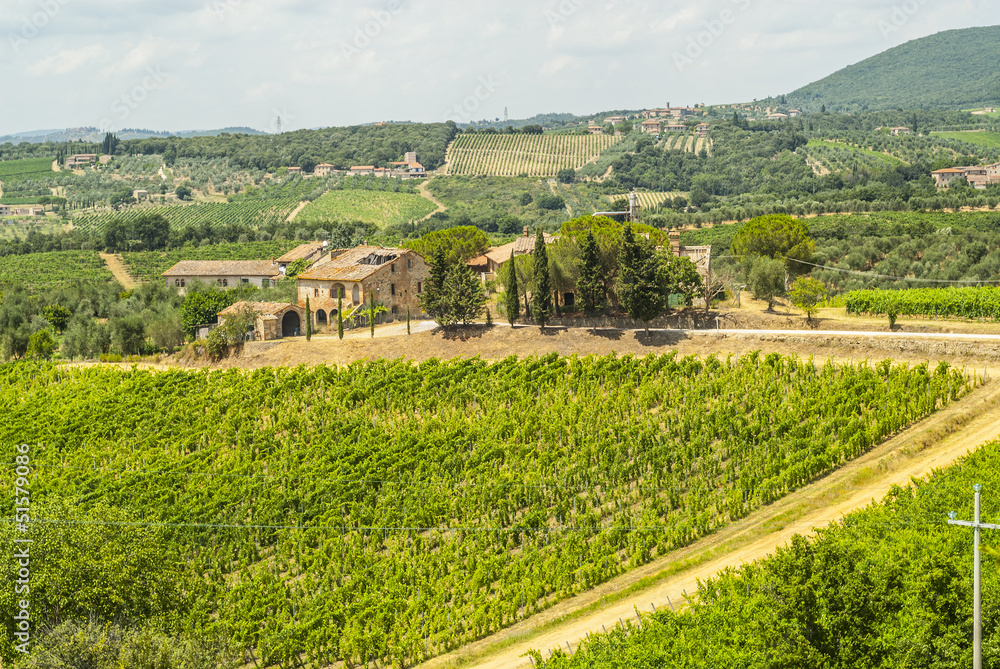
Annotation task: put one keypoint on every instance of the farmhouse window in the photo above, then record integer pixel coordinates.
(420, 287)
(315, 292)
(392, 287)
(244, 280)
(409, 263)
(392, 267)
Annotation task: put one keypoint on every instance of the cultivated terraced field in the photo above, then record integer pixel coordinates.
(686, 142)
(649, 200)
(379, 207)
(529, 155)
(53, 268)
(252, 213)
(29, 168)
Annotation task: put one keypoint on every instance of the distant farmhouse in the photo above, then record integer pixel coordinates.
(392, 277)
(977, 176)
(223, 273)
(80, 160)
(11, 210)
(409, 168)
(651, 127)
(364, 170)
(324, 170)
(670, 112)
(900, 130)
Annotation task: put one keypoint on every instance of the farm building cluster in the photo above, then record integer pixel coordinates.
(977, 176)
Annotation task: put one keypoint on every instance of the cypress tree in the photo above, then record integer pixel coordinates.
(433, 300)
(309, 329)
(371, 314)
(590, 286)
(340, 316)
(541, 297)
(638, 287)
(489, 317)
(464, 296)
(407, 319)
(512, 300)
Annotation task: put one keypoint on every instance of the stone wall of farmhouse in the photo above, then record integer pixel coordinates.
(395, 285)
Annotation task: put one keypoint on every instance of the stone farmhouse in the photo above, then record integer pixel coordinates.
(364, 170)
(391, 277)
(273, 320)
(294, 170)
(651, 127)
(701, 256)
(490, 262)
(80, 160)
(223, 273)
(324, 170)
(12, 210)
(311, 252)
(977, 176)
(900, 130)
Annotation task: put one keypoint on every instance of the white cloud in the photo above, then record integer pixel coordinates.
(66, 62)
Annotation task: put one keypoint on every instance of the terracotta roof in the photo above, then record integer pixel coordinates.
(948, 170)
(302, 251)
(362, 167)
(324, 165)
(521, 246)
(263, 308)
(355, 265)
(223, 268)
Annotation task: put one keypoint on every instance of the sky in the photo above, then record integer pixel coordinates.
(288, 64)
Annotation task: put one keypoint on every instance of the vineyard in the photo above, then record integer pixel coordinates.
(979, 302)
(987, 139)
(29, 168)
(394, 511)
(648, 200)
(251, 213)
(382, 208)
(889, 586)
(149, 265)
(678, 141)
(529, 155)
(53, 268)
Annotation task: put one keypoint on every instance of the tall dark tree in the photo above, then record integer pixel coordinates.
(512, 302)
(110, 144)
(590, 284)
(432, 300)
(309, 329)
(638, 287)
(541, 295)
(464, 294)
(340, 315)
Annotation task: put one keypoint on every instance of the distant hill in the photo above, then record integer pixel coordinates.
(955, 69)
(96, 134)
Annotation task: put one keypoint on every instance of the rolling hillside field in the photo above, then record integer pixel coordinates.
(368, 206)
(988, 139)
(252, 213)
(53, 268)
(393, 511)
(17, 170)
(529, 155)
(648, 200)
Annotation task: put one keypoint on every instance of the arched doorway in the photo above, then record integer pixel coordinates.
(337, 290)
(320, 317)
(290, 324)
(356, 294)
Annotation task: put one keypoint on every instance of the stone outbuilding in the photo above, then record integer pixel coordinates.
(394, 278)
(274, 320)
(223, 273)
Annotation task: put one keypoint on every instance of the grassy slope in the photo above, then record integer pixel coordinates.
(149, 265)
(951, 69)
(379, 207)
(989, 139)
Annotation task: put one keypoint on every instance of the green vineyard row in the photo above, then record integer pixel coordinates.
(970, 302)
(250, 213)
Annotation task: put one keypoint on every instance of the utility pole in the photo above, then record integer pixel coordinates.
(977, 627)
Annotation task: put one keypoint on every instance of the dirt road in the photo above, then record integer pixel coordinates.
(933, 443)
(295, 212)
(424, 192)
(119, 270)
